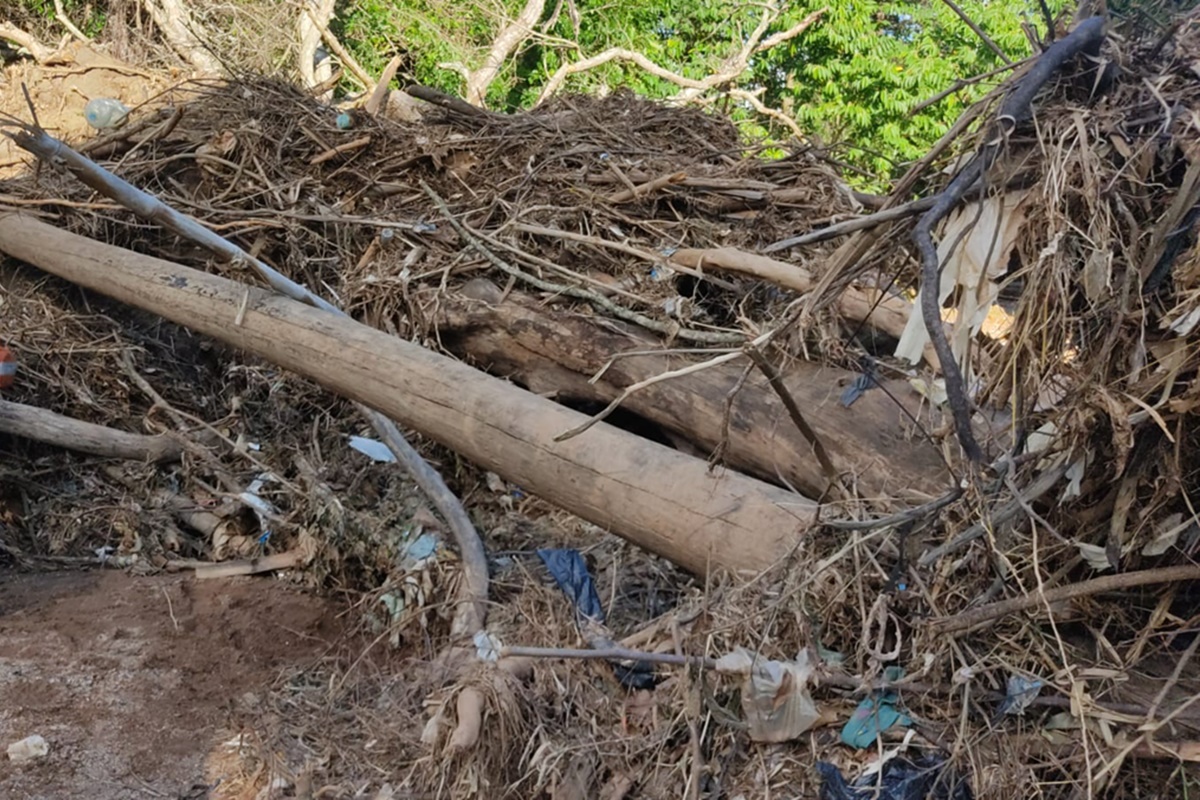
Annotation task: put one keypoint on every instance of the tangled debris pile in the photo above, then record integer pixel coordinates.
(1020, 624)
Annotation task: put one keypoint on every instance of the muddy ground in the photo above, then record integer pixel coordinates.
(142, 686)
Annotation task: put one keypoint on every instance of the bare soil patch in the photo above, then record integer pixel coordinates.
(136, 683)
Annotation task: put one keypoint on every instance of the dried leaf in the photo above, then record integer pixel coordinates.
(974, 245)
(1168, 531)
(1095, 555)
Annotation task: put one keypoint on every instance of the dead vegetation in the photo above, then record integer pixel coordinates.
(518, 243)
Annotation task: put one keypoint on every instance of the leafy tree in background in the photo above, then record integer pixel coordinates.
(852, 78)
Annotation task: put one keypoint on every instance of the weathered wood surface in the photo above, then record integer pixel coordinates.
(661, 499)
(552, 351)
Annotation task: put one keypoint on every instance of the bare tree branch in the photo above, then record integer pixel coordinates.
(171, 17)
(40, 52)
(343, 55)
(314, 18)
(732, 68)
(508, 40)
(995, 48)
(61, 15)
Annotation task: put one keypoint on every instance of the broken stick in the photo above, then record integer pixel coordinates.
(41, 425)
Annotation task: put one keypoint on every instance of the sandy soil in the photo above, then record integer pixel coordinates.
(135, 682)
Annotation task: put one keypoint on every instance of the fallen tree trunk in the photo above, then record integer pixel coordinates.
(41, 425)
(658, 498)
(558, 352)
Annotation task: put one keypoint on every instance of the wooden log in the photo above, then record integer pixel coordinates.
(663, 500)
(41, 425)
(557, 352)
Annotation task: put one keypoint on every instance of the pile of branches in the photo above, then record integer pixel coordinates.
(1052, 539)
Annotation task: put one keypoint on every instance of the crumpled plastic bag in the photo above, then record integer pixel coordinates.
(775, 697)
(927, 777)
(570, 572)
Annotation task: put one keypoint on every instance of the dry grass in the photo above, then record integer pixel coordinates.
(1111, 184)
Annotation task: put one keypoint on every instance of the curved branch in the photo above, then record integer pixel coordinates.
(505, 43)
(692, 88)
(40, 52)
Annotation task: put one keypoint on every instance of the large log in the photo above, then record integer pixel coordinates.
(663, 500)
(557, 352)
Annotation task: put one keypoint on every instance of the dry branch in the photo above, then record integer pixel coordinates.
(315, 17)
(1108, 583)
(1015, 108)
(179, 29)
(40, 52)
(884, 313)
(664, 501)
(85, 437)
(472, 613)
(729, 71)
(508, 40)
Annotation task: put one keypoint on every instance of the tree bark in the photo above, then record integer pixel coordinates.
(41, 425)
(503, 46)
(658, 498)
(557, 353)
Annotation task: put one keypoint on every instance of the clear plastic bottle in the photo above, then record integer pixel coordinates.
(105, 113)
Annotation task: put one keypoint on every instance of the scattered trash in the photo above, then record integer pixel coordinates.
(925, 778)
(1021, 691)
(572, 576)
(28, 749)
(262, 508)
(857, 388)
(372, 449)
(8, 367)
(105, 113)
(875, 715)
(775, 697)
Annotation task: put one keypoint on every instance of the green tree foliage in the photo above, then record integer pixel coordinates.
(852, 79)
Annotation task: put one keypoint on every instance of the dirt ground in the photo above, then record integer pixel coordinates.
(137, 684)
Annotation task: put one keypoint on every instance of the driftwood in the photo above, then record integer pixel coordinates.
(557, 352)
(41, 425)
(652, 495)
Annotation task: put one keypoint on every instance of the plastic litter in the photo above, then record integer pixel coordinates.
(875, 715)
(1020, 692)
(28, 749)
(105, 113)
(927, 777)
(570, 572)
(775, 697)
(859, 386)
(372, 449)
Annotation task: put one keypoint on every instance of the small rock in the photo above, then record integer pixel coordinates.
(28, 749)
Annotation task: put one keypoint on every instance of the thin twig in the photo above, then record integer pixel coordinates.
(911, 514)
(789, 402)
(473, 239)
(1002, 516)
(1108, 583)
(628, 390)
(610, 654)
(852, 225)
(974, 26)
(963, 83)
